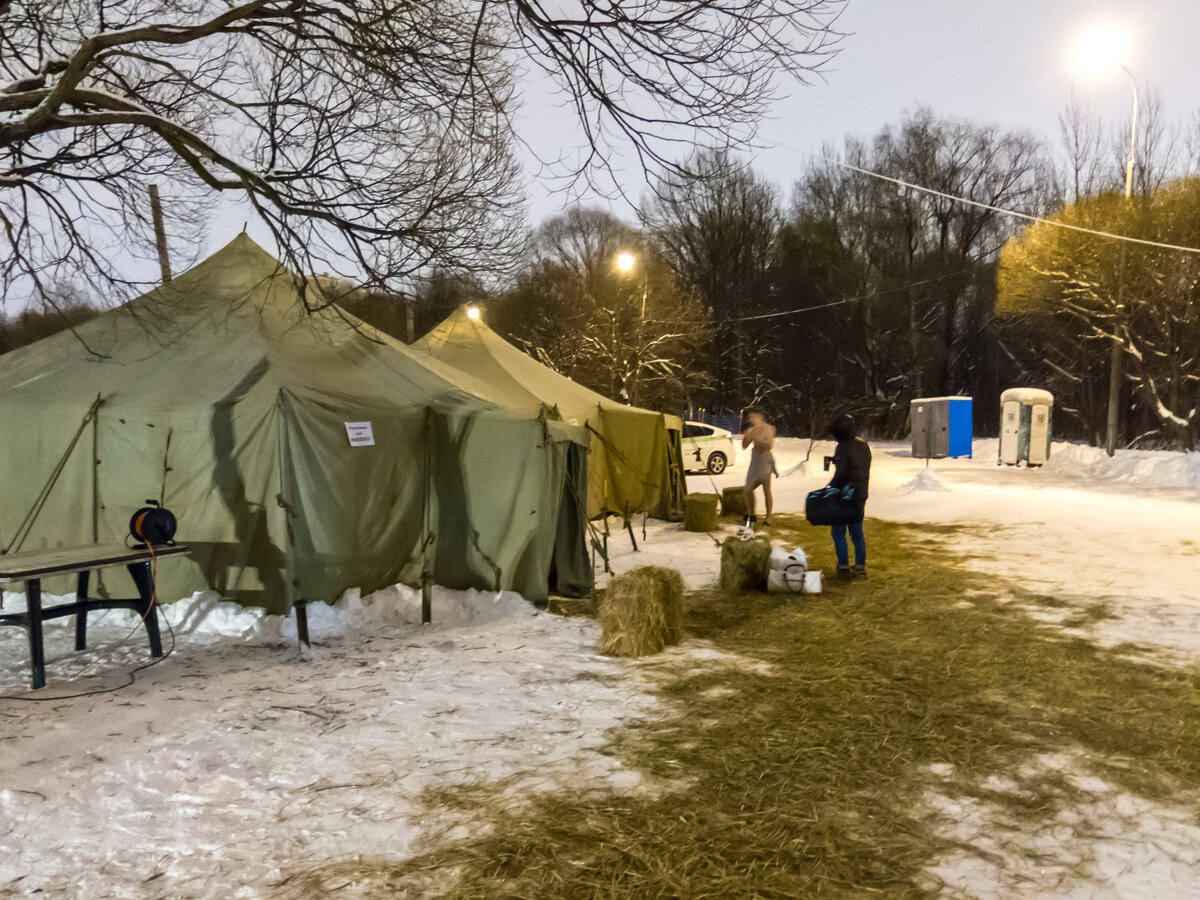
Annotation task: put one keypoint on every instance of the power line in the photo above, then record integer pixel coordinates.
(1028, 217)
(807, 309)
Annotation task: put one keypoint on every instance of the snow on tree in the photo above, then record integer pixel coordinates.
(1146, 298)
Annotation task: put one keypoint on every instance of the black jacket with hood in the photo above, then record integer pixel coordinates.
(851, 459)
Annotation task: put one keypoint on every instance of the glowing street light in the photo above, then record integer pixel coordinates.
(473, 312)
(626, 262)
(1098, 51)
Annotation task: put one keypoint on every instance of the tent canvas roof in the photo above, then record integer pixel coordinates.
(236, 311)
(635, 456)
(470, 346)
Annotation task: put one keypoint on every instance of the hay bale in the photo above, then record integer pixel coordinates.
(671, 583)
(744, 564)
(641, 612)
(700, 512)
(733, 502)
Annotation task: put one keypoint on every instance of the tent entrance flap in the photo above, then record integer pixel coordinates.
(570, 568)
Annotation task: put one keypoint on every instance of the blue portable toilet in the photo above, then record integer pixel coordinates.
(941, 427)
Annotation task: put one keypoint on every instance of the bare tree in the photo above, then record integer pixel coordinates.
(372, 136)
(1082, 141)
(585, 241)
(911, 287)
(634, 336)
(65, 308)
(716, 225)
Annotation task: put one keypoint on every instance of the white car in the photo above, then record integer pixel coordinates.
(707, 448)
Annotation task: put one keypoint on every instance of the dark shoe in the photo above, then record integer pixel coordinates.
(844, 573)
(860, 571)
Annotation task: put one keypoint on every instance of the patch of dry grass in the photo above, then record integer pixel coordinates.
(809, 776)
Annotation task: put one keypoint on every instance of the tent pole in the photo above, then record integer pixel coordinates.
(427, 538)
(301, 607)
(96, 476)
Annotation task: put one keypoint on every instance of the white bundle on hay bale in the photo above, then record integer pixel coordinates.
(641, 612)
(789, 573)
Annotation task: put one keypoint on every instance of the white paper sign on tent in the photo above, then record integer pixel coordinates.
(360, 434)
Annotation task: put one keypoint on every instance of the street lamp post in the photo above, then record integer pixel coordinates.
(1103, 49)
(626, 262)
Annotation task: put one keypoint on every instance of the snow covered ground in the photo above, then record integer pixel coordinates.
(239, 758)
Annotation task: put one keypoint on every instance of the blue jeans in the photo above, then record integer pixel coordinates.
(839, 544)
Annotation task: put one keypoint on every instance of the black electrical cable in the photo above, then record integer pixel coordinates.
(107, 690)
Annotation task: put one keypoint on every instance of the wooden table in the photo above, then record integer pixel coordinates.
(32, 567)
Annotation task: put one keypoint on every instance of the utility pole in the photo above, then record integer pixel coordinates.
(160, 233)
(641, 337)
(1118, 341)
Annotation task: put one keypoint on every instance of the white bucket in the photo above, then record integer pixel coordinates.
(812, 582)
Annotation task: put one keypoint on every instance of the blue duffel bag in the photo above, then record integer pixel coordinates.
(832, 506)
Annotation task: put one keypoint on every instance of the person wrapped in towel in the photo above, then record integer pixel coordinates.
(762, 462)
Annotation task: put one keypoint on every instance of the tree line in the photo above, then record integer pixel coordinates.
(380, 140)
(859, 294)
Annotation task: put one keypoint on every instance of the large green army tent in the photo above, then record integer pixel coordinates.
(635, 461)
(302, 453)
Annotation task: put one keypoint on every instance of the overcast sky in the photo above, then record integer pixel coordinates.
(1007, 62)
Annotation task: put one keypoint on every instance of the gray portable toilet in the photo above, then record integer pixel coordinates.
(941, 427)
(1025, 426)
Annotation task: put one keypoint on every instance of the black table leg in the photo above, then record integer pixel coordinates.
(33, 612)
(147, 607)
(81, 595)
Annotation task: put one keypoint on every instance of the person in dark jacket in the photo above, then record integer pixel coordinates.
(852, 472)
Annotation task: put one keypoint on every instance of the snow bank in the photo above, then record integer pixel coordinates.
(204, 616)
(1148, 468)
(926, 480)
(1166, 469)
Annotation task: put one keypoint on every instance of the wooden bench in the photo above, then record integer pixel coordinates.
(32, 567)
